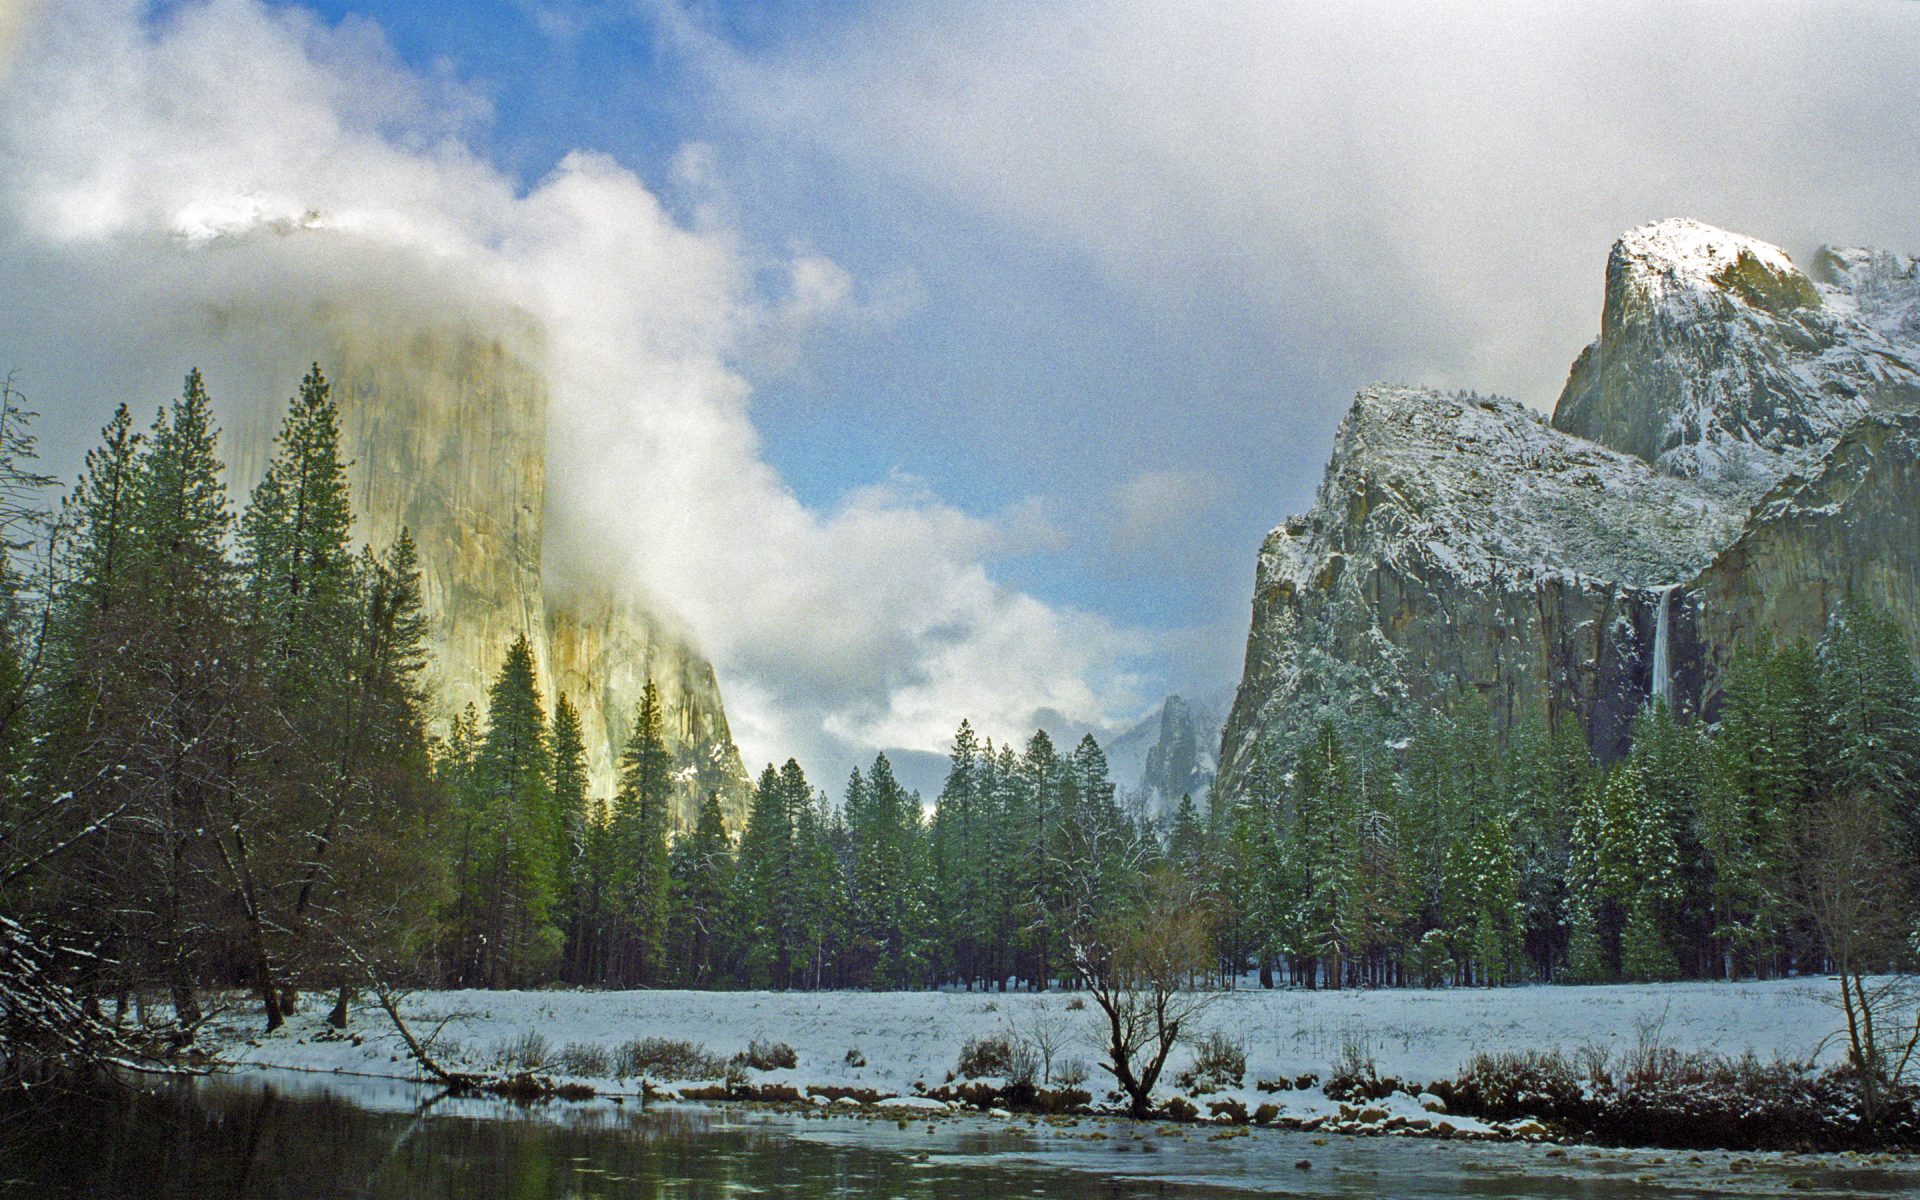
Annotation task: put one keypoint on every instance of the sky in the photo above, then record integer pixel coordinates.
(967, 350)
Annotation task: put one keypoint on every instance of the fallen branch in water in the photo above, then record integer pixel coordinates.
(458, 1081)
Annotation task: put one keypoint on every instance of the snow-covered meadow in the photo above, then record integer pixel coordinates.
(901, 1042)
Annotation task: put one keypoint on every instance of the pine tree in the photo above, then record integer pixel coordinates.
(957, 830)
(703, 879)
(510, 940)
(1765, 775)
(570, 817)
(153, 727)
(775, 882)
(180, 510)
(1186, 840)
(1549, 772)
(1871, 698)
(640, 843)
(293, 536)
(881, 830)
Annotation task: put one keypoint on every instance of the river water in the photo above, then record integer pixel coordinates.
(305, 1137)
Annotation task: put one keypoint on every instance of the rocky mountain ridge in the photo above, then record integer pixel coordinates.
(1734, 455)
(1170, 753)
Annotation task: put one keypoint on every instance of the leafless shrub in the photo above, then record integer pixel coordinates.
(767, 1056)
(855, 1058)
(1023, 1064)
(1071, 1072)
(585, 1058)
(528, 1052)
(1218, 1062)
(666, 1060)
(1354, 1071)
(991, 1055)
(1047, 1031)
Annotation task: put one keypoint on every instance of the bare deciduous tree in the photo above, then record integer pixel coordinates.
(1140, 967)
(1855, 887)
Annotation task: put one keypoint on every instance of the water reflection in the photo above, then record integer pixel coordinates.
(306, 1138)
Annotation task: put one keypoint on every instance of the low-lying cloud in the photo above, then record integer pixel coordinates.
(160, 174)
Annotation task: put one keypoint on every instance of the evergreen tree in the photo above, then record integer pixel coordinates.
(1867, 687)
(510, 940)
(702, 882)
(774, 880)
(293, 536)
(1764, 759)
(1187, 840)
(152, 732)
(1550, 770)
(640, 844)
(882, 827)
(570, 824)
(958, 829)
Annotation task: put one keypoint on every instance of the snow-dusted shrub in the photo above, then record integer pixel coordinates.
(990, 1055)
(585, 1058)
(1354, 1075)
(528, 1052)
(1218, 1062)
(1663, 1097)
(767, 1056)
(1528, 1083)
(855, 1058)
(1023, 1064)
(666, 1060)
(1071, 1072)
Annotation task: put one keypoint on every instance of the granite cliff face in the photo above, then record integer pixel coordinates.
(1718, 358)
(1733, 456)
(444, 426)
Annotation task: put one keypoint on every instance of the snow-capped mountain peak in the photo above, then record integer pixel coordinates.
(1720, 359)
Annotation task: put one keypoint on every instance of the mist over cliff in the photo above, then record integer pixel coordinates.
(246, 189)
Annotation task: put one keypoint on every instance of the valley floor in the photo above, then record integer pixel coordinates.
(903, 1042)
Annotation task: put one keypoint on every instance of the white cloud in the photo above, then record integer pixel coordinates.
(1427, 190)
(239, 156)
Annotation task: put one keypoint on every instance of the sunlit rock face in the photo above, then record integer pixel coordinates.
(1732, 458)
(1719, 358)
(445, 429)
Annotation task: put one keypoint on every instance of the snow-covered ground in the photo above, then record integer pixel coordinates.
(912, 1040)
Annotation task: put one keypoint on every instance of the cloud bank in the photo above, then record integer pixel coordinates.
(1424, 191)
(230, 156)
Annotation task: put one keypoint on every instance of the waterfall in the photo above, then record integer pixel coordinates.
(1662, 686)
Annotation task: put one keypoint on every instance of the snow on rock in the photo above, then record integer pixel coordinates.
(1484, 487)
(1679, 260)
(1733, 455)
(1719, 358)
(1461, 546)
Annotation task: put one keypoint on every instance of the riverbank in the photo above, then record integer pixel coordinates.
(897, 1048)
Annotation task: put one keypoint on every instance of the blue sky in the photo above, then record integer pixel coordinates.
(1000, 333)
(1017, 370)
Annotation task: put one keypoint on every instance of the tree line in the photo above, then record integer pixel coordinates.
(1451, 858)
(217, 768)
